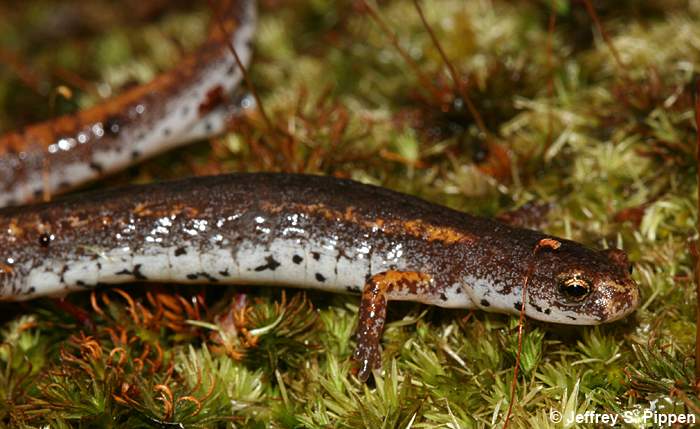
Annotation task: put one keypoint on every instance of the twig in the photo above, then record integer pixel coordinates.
(21, 70)
(608, 41)
(241, 67)
(697, 260)
(550, 81)
(424, 79)
(453, 72)
(545, 242)
(686, 400)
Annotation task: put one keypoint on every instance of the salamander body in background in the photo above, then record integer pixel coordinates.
(189, 102)
(309, 232)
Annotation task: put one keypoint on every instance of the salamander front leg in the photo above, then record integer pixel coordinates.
(378, 290)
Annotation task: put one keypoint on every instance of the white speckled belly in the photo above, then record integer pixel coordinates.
(282, 262)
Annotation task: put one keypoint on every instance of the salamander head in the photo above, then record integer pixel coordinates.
(579, 286)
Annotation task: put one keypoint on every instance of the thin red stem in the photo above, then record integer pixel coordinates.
(551, 244)
(608, 41)
(453, 72)
(697, 260)
(241, 67)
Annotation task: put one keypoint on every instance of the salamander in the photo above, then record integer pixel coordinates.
(188, 102)
(314, 232)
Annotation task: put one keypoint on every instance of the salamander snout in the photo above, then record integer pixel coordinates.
(616, 293)
(585, 287)
(612, 299)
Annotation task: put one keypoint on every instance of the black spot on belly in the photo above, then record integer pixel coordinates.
(354, 289)
(271, 264)
(31, 289)
(166, 132)
(82, 284)
(112, 126)
(138, 274)
(38, 193)
(518, 306)
(297, 259)
(320, 277)
(209, 277)
(548, 311)
(316, 255)
(536, 307)
(205, 275)
(443, 297)
(64, 185)
(485, 303)
(99, 265)
(180, 251)
(63, 271)
(96, 167)
(135, 155)
(571, 317)
(225, 273)
(208, 127)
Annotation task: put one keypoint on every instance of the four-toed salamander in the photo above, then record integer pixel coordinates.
(311, 232)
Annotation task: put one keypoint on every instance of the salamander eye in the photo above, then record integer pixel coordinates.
(575, 288)
(45, 240)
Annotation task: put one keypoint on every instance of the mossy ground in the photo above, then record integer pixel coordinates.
(607, 145)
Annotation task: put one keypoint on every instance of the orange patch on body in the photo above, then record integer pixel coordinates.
(76, 222)
(142, 210)
(212, 98)
(398, 280)
(417, 227)
(15, 230)
(436, 233)
(549, 242)
(42, 135)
